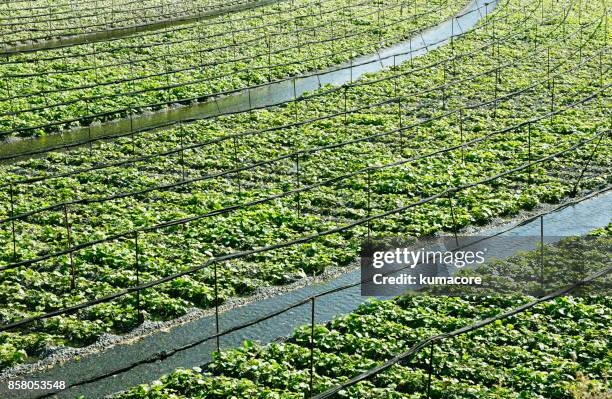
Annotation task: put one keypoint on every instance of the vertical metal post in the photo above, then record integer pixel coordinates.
(399, 117)
(250, 100)
(312, 345)
(297, 198)
(580, 31)
(137, 254)
(295, 103)
(237, 163)
(167, 65)
(345, 113)
(133, 89)
(234, 44)
(378, 27)
(496, 104)
(548, 67)
(452, 209)
(411, 55)
(444, 85)
(269, 58)
(542, 253)
(217, 105)
(95, 63)
(430, 371)
(182, 144)
(461, 135)
(529, 152)
(69, 242)
(13, 221)
(369, 205)
(601, 82)
(552, 99)
(89, 138)
(453, 44)
(217, 329)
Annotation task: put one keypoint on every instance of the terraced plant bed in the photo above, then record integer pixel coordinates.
(79, 85)
(555, 350)
(37, 21)
(442, 121)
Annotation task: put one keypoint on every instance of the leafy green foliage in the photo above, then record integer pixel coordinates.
(109, 267)
(537, 354)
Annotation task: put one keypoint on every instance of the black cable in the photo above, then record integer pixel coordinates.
(428, 341)
(303, 239)
(168, 353)
(301, 98)
(293, 154)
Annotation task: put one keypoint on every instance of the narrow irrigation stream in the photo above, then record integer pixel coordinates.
(573, 220)
(271, 94)
(576, 219)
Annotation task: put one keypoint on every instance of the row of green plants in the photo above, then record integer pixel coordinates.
(105, 268)
(556, 350)
(36, 21)
(145, 71)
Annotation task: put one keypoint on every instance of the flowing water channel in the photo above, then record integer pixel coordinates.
(572, 220)
(576, 219)
(268, 94)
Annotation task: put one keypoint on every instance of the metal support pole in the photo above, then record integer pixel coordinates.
(369, 206)
(601, 82)
(496, 104)
(430, 371)
(69, 242)
(295, 103)
(529, 152)
(250, 100)
(399, 117)
(217, 329)
(237, 163)
(182, 132)
(297, 198)
(461, 135)
(13, 221)
(552, 99)
(269, 58)
(345, 107)
(444, 85)
(312, 344)
(137, 253)
(452, 209)
(542, 254)
(453, 44)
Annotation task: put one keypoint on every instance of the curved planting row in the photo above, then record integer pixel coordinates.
(422, 102)
(35, 21)
(49, 90)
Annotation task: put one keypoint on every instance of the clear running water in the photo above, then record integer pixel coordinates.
(273, 93)
(573, 220)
